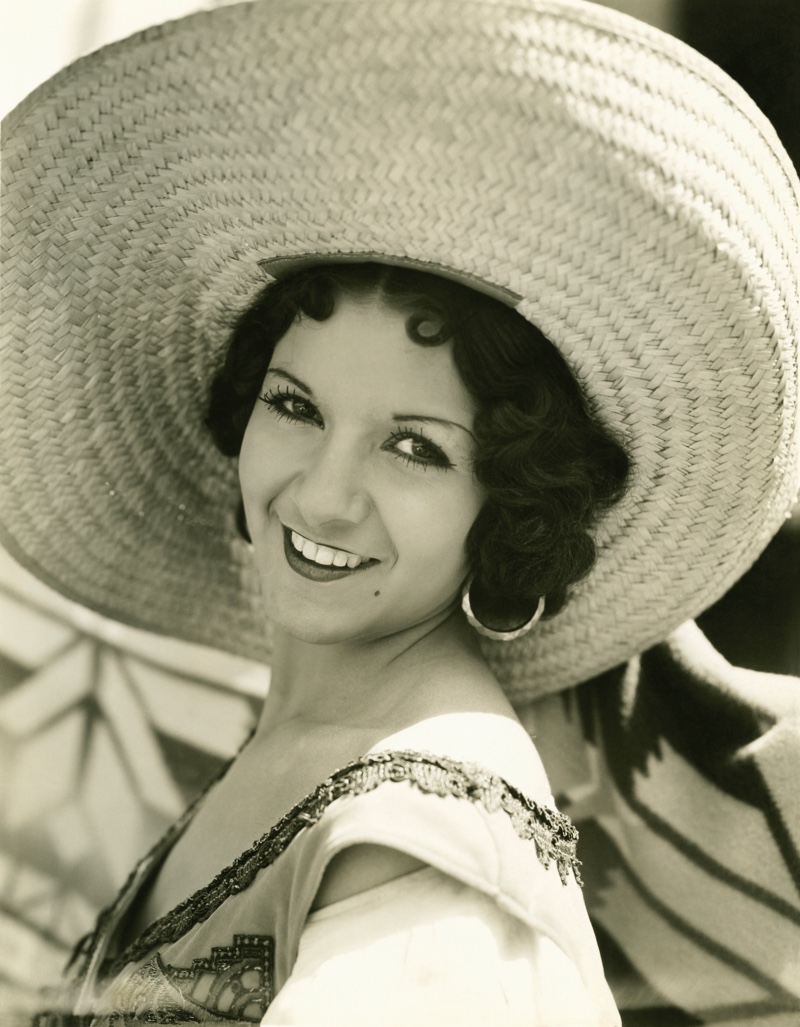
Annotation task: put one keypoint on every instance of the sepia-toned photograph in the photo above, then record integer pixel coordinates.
(399, 513)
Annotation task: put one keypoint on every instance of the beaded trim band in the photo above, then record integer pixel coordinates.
(552, 834)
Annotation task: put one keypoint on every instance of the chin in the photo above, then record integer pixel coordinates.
(303, 622)
(320, 627)
(314, 633)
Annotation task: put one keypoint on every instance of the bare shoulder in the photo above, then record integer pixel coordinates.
(359, 868)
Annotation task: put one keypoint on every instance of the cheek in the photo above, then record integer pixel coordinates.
(435, 532)
(264, 465)
(250, 465)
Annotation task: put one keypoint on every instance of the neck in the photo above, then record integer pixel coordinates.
(365, 684)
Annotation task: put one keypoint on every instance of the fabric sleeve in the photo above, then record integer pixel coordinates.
(428, 950)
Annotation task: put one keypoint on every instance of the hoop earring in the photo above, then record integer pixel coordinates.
(497, 636)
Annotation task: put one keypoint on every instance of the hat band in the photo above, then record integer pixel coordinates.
(279, 267)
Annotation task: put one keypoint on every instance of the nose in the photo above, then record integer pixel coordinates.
(331, 487)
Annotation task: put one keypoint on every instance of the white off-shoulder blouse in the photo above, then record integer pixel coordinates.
(430, 951)
(493, 931)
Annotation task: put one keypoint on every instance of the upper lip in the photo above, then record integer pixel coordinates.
(328, 545)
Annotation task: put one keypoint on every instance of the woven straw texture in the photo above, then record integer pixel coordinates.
(625, 187)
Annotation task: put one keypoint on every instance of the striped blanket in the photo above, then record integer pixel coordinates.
(681, 773)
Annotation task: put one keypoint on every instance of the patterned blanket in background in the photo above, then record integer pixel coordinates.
(680, 771)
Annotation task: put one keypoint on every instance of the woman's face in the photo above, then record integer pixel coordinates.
(356, 474)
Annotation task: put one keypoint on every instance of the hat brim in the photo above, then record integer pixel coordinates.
(631, 195)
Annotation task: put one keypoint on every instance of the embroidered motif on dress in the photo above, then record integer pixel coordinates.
(235, 982)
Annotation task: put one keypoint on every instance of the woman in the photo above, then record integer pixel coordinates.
(359, 517)
(403, 440)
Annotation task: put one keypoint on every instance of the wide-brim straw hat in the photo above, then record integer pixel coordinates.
(614, 185)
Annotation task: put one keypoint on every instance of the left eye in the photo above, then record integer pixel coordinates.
(288, 404)
(415, 448)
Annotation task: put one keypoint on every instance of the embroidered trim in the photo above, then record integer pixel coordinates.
(52, 1019)
(81, 954)
(552, 833)
(162, 1015)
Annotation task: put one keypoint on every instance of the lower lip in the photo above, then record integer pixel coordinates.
(315, 571)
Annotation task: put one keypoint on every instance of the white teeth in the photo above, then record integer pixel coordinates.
(324, 555)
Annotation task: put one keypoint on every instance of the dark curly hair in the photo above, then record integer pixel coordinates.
(548, 467)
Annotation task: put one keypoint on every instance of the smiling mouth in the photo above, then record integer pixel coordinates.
(321, 563)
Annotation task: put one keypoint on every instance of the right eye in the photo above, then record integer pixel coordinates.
(291, 405)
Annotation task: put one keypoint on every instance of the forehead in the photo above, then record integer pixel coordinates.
(364, 349)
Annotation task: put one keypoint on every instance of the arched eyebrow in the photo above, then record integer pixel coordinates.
(424, 418)
(291, 378)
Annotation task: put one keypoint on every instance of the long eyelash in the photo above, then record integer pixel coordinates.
(279, 392)
(274, 397)
(440, 462)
